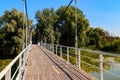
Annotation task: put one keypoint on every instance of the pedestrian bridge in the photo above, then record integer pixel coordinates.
(45, 62)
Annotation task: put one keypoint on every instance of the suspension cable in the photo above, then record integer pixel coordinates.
(61, 16)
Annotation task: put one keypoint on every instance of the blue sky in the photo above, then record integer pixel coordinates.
(100, 13)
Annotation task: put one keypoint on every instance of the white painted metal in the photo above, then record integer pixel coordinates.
(79, 58)
(76, 52)
(56, 49)
(53, 49)
(8, 75)
(68, 54)
(61, 51)
(20, 65)
(101, 66)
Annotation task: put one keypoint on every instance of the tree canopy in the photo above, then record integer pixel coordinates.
(53, 27)
(68, 27)
(63, 26)
(11, 32)
(46, 19)
(59, 27)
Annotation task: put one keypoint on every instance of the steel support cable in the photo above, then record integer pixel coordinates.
(23, 37)
(66, 8)
(25, 3)
(26, 11)
(61, 16)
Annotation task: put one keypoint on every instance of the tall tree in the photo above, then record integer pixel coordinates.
(46, 19)
(67, 26)
(11, 27)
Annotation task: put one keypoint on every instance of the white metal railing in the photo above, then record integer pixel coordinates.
(15, 69)
(77, 56)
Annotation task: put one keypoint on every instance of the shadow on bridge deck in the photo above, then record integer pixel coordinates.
(44, 65)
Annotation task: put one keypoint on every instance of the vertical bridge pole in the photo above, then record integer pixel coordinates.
(61, 51)
(79, 58)
(68, 54)
(8, 75)
(56, 49)
(76, 53)
(20, 67)
(101, 66)
(53, 48)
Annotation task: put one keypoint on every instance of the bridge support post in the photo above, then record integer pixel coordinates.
(44, 45)
(50, 47)
(20, 68)
(61, 51)
(56, 49)
(53, 48)
(68, 54)
(101, 66)
(79, 58)
(39, 43)
(8, 75)
(76, 56)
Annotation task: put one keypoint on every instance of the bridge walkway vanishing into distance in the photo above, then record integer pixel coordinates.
(44, 65)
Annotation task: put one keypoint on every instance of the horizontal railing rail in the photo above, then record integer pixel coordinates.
(98, 61)
(15, 69)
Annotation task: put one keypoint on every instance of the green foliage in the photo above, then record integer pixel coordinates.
(46, 19)
(113, 46)
(116, 44)
(11, 33)
(58, 28)
(95, 36)
(3, 63)
(68, 26)
(53, 27)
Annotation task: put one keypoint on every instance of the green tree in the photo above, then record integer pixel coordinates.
(113, 46)
(46, 19)
(11, 28)
(96, 37)
(67, 26)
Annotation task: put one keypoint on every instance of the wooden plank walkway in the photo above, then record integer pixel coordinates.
(44, 65)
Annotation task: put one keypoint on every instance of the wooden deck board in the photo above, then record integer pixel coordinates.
(44, 65)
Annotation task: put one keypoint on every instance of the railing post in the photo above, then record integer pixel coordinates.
(28, 51)
(56, 49)
(50, 47)
(101, 66)
(79, 58)
(76, 56)
(8, 75)
(20, 67)
(68, 54)
(39, 43)
(47, 46)
(24, 58)
(53, 48)
(61, 51)
(44, 45)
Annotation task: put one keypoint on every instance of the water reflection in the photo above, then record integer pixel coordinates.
(112, 74)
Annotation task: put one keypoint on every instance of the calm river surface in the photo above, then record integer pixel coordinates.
(114, 72)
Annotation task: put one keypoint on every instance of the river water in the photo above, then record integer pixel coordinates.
(112, 74)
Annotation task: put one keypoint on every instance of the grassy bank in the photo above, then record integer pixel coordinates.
(4, 63)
